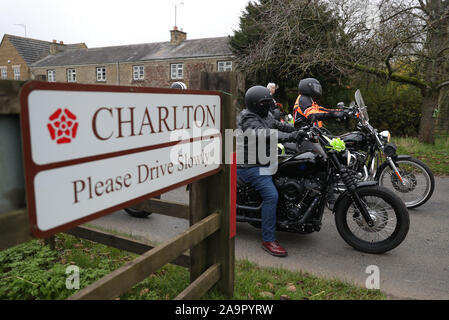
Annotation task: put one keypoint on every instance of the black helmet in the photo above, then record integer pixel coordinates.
(310, 87)
(178, 85)
(258, 99)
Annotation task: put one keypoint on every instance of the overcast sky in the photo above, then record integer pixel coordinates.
(101, 23)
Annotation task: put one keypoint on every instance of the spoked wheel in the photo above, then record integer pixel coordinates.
(387, 211)
(417, 185)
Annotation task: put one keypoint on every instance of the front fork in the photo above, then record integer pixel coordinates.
(395, 169)
(373, 171)
(351, 187)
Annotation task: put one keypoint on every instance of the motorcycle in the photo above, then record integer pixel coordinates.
(374, 157)
(368, 217)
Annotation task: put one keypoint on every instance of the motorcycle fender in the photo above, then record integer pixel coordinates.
(359, 185)
(386, 164)
(401, 157)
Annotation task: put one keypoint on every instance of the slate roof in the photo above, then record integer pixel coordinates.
(31, 50)
(196, 48)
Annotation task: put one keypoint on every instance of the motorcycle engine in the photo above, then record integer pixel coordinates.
(290, 189)
(293, 197)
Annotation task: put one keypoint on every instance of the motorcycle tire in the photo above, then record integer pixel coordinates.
(405, 193)
(137, 213)
(380, 216)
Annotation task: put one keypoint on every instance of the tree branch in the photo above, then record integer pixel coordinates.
(443, 84)
(394, 76)
(398, 13)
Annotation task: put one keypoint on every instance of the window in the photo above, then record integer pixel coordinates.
(51, 75)
(176, 71)
(101, 74)
(224, 66)
(71, 75)
(4, 72)
(138, 73)
(16, 71)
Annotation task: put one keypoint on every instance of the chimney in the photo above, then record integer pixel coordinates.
(176, 36)
(61, 42)
(54, 47)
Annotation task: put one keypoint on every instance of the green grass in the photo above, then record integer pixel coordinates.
(33, 271)
(435, 156)
(255, 282)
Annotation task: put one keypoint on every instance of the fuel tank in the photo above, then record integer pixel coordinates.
(302, 165)
(355, 140)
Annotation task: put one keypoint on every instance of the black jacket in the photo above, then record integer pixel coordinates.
(261, 128)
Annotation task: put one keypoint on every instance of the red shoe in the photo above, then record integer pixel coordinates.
(274, 248)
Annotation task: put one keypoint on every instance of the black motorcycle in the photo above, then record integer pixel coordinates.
(375, 158)
(368, 217)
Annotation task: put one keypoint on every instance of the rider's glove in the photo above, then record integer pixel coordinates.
(348, 113)
(296, 136)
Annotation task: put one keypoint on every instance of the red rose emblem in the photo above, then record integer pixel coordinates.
(62, 126)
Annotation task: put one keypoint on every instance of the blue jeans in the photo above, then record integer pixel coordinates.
(264, 185)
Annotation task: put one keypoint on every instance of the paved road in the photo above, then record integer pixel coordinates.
(418, 268)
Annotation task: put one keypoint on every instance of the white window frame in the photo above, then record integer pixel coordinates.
(16, 72)
(138, 72)
(71, 75)
(3, 72)
(223, 66)
(101, 74)
(51, 75)
(177, 71)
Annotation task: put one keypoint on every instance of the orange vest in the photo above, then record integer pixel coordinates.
(315, 108)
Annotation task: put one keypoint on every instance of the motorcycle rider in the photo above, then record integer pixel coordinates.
(276, 108)
(257, 117)
(306, 108)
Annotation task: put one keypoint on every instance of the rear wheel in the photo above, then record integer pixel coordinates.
(137, 213)
(388, 212)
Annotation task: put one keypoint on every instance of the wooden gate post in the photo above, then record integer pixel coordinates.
(213, 193)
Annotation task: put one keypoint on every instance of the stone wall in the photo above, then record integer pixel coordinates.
(157, 73)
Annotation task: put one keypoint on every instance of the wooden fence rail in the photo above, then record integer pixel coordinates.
(164, 207)
(124, 278)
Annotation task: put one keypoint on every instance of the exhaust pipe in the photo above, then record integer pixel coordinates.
(247, 219)
(243, 209)
(250, 209)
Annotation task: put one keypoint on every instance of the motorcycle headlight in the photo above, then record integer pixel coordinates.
(385, 135)
(390, 149)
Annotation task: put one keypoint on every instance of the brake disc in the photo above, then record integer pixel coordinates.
(379, 217)
(409, 179)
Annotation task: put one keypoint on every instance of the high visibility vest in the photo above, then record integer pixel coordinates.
(315, 108)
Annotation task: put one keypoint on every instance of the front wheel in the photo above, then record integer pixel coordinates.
(387, 211)
(417, 185)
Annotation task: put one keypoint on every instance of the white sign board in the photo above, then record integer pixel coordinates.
(90, 150)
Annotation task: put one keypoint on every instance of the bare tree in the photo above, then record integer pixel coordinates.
(409, 43)
(398, 40)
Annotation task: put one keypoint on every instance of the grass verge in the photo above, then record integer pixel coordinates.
(435, 156)
(32, 271)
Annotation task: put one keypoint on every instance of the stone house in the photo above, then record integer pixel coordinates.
(17, 54)
(150, 64)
